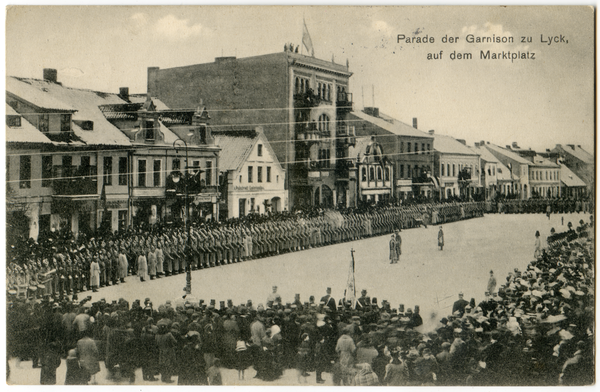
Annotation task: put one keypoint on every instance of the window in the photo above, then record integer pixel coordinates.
(387, 174)
(13, 121)
(416, 148)
(142, 172)
(401, 171)
(364, 174)
(208, 173)
(260, 150)
(268, 173)
(259, 173)
(428, 148)
(371, 174)
(401, 147)
(122, 219)
(65, 123)
(176, 164)
(408, 147)
(408, 171)
(493, 170)
(324, 157)
(323, 124)
(249, 173)
(423, 147)
(149, 128)
(443, 171)
(448, 170)
(25, 172)
(379, 174)
(46, 171)
(107, 170)
(453, 170)
(123, 171)
(44, 123)
(156, 172)
(67, 162)
(84, 166)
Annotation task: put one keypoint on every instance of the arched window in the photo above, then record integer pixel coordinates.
(371, 174)
(387, 174)
(297, 88)
(364, 174)
(379, 174)
(324, 123)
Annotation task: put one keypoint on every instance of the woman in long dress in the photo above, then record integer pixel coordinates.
(94, 275)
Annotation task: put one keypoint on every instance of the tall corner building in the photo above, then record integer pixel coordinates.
(301, 102)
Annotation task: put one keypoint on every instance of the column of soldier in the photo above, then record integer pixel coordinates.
(69, 266)
(539, 205)
(536, 330)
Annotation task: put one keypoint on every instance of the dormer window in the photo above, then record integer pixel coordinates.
(13, 121)
(44, 123)
(65, 123)
(149, 130)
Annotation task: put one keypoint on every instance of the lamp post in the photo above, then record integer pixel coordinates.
(176, 178)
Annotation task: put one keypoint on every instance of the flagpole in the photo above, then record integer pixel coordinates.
(302, 44)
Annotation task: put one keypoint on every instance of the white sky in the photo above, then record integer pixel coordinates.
(537, 103)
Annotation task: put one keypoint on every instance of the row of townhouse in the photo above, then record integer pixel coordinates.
(306, 109)
(78, 159)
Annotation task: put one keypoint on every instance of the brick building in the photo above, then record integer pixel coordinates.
(301, 102)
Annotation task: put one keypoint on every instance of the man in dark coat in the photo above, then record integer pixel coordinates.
(460, 305)
(329, 301)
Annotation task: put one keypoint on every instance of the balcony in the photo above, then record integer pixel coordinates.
(308, 132)
(344, 102)
(75, 186)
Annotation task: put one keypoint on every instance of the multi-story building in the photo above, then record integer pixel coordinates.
(580, 162)
(86, 158)
(168, 145)
(517, 166)
(409, 149)
(80, 170)
(571, 186)
(375, 171)
(457, 168)
(253, 179)
(489, 174)
(544, 175)
(301, 102)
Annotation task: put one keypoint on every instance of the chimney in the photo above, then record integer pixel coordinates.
(508, 146)
(476, 144)
(482, 143)
(371, 111)
(124, 93)
(515, 145)
(431, 131)
(50, 75)
(462, 141)
(579, 145)
(572, 146)
(415, 122)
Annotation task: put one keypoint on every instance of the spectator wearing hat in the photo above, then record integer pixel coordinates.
(191, 366)
(363, 301)
(50, 361)
(328, 301)
(166, 344)
(345, 348)
(460, 305)
(75, 375)
(538, 246)
(441, 238)
(214, 373)
(88, 356)
(396, 372)
(491, 286)
(274, 297)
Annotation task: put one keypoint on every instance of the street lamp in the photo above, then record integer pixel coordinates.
(176, 178)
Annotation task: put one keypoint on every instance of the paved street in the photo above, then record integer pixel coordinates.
(424, 276)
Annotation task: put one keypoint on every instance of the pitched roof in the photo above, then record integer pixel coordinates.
(85, 102)
(539, 160)
(507, 153)
(502, 172)
(449, 145)
(397, 127)
(569, 178)
(236, 146)
(358, 150)
(485, 154)
(578, 153)
(26, 133)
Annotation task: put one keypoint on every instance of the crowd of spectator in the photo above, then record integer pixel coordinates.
(537, 329)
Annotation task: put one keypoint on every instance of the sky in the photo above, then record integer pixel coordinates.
(537, 103)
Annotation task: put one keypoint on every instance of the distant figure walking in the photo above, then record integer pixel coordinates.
(538, 245)
(393, 254)
(441, 238)
(398, 244)
(491, 287)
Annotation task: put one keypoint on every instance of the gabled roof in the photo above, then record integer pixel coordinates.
(485, 154)
(578, 153)
(569, 178)
(85, 102)
(26, 133)
(538, 160)
(236, 146)
(449, 145)
(507, 153)
(397, 127)
(38, 95)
